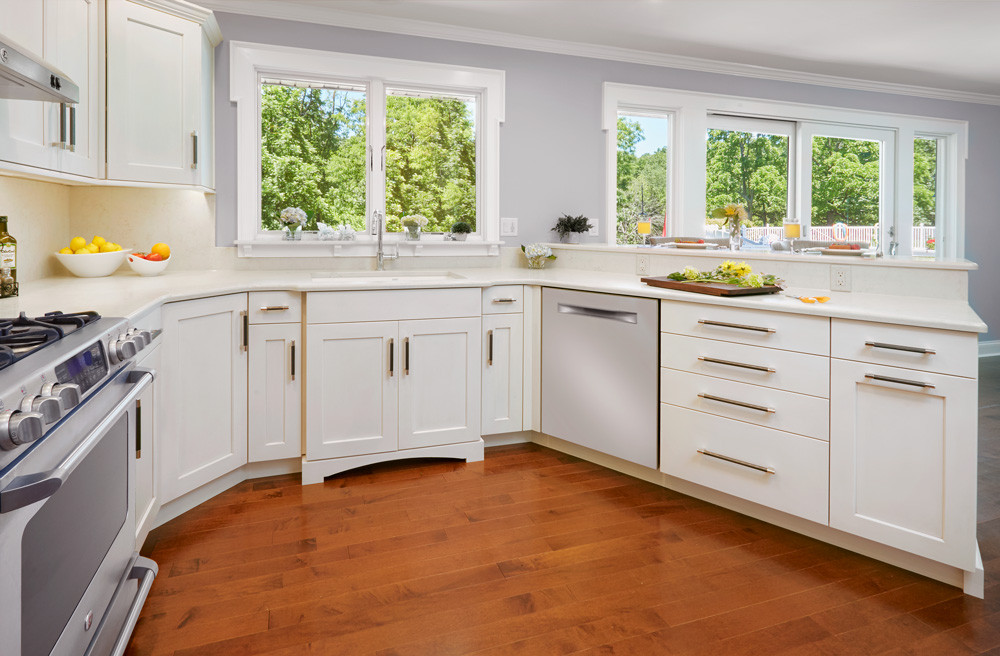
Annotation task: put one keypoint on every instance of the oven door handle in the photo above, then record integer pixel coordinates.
(144, 570)
(26, 490)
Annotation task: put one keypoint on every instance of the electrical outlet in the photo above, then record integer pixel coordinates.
(840, 278)
(508, 227)
(642, 265)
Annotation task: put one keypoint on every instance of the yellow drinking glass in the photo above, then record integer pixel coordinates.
(645, 227)
(793, 229)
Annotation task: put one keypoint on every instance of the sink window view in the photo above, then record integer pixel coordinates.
(642, 176)
(925, 196)
(846, 187)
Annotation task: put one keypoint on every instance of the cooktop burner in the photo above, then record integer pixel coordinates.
(23, 336)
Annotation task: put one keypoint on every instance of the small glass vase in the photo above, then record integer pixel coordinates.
(735, 237)
(412, 232)
(292, 235)
(536, 262)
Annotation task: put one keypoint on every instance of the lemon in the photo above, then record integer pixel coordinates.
(93, 248)
(116, 247)
(81, 251)
(107, 248)
(162, 249)
(76, 243)
(66, 251)
(98, 241)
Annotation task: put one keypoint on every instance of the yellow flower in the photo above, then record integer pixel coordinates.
(735, 268)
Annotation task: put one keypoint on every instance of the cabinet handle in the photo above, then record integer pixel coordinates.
(273, 308)
(741, 365)
(742, 404)
(504, 300)
(406, 356)
(737, 461)
(392, 357)
(901, 381)
(489, 349)
(738, 326)
(72, 128)
(245, 346)
(62, 126)
(293, 359)
(898, 347)
(138, 429)
(194, 149)
(598, 313)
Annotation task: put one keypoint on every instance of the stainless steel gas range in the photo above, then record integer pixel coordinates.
(71, 582)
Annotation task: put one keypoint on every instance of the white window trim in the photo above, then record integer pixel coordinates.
(690, 113)
(251, 61)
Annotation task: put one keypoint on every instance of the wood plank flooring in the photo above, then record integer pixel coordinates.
(536, 553)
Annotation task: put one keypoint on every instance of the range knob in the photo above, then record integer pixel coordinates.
(67, 393)
(121, 349)
(47, 406)
(17, 428)
(141, 338)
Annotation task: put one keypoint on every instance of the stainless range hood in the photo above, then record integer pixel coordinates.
(25, 77)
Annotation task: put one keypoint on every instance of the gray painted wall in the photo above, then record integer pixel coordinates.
(554, 106)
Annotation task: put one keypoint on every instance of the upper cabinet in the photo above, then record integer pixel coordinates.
(160, 85)
(146, 91)
(53, 136)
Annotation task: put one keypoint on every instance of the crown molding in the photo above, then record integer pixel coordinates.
(198, 14)
(340, 18)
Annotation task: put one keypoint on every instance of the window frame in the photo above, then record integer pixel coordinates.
(630, 110)
(250, 62)
(692, 112)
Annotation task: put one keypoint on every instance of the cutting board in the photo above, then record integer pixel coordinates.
(713, 288)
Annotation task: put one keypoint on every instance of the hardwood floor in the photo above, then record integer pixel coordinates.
(533, 552)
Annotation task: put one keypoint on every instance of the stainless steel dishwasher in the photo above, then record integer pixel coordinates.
(600, 372)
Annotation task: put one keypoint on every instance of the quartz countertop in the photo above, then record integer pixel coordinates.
(129, 295)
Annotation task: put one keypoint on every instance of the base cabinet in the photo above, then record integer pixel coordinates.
(204, 392)
(274, 427)
(503, 365)
(903, 459)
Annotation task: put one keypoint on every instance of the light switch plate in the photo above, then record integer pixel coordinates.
(508, 227)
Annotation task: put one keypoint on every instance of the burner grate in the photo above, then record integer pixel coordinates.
(23, 336)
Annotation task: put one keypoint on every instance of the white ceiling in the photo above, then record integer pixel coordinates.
(941, 44)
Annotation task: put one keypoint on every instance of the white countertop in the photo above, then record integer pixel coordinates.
(127, 294)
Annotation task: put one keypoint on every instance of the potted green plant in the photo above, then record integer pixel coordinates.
(460, 230)
(571, 227)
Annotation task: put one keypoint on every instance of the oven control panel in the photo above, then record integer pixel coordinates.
(86, 369)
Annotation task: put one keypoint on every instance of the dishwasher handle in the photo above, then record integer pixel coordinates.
(599, 313)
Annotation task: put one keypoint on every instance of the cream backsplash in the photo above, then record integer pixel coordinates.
(38, 217)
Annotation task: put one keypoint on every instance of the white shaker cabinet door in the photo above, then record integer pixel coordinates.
(503, 358)
(147, 502)
(204, 392)
(903, 459)
(275, 388)
(439, 389)
(154, 95)
(352, 371)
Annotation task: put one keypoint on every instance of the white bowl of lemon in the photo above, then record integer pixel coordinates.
(97, 259)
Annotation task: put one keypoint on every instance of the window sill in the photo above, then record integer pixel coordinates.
(432, 246)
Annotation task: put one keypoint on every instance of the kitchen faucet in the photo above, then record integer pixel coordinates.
(378, 219)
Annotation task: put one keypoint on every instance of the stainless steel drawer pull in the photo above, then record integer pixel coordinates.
(406, 356)
(737, 461)
(504, 300)
(599, 313)
(738, 326)
(273, 308)
(901, 381)
(741, 365)
(489, 349)
(392, 357)
(897, 347)
(742, 404)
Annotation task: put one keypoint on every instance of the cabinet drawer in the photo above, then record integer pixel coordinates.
(791, 332)
(787, 411)
(795, 372)
(393, 305)
(798, 476)
(275, 307)
(503, 299)
(925, 349)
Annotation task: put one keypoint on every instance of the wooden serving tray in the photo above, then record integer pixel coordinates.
(713, 288)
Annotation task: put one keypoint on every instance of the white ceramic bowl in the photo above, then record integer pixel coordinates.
(145, 267)
(93, 265)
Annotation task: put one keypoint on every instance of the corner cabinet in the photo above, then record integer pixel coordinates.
(390, 375)
(204, 392)
(159, 93)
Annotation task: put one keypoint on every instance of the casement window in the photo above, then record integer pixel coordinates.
(641, 186)
(345, 136)
(896, 181)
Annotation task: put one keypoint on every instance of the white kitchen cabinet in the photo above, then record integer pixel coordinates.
(159, 92)
(351, 404)
(503, 358)
(903, 459)
(439, 389)
(275, 392)
(147, 501)
(67, 35)
(204, 392)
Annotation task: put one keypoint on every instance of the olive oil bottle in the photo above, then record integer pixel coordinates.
(8, 260)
